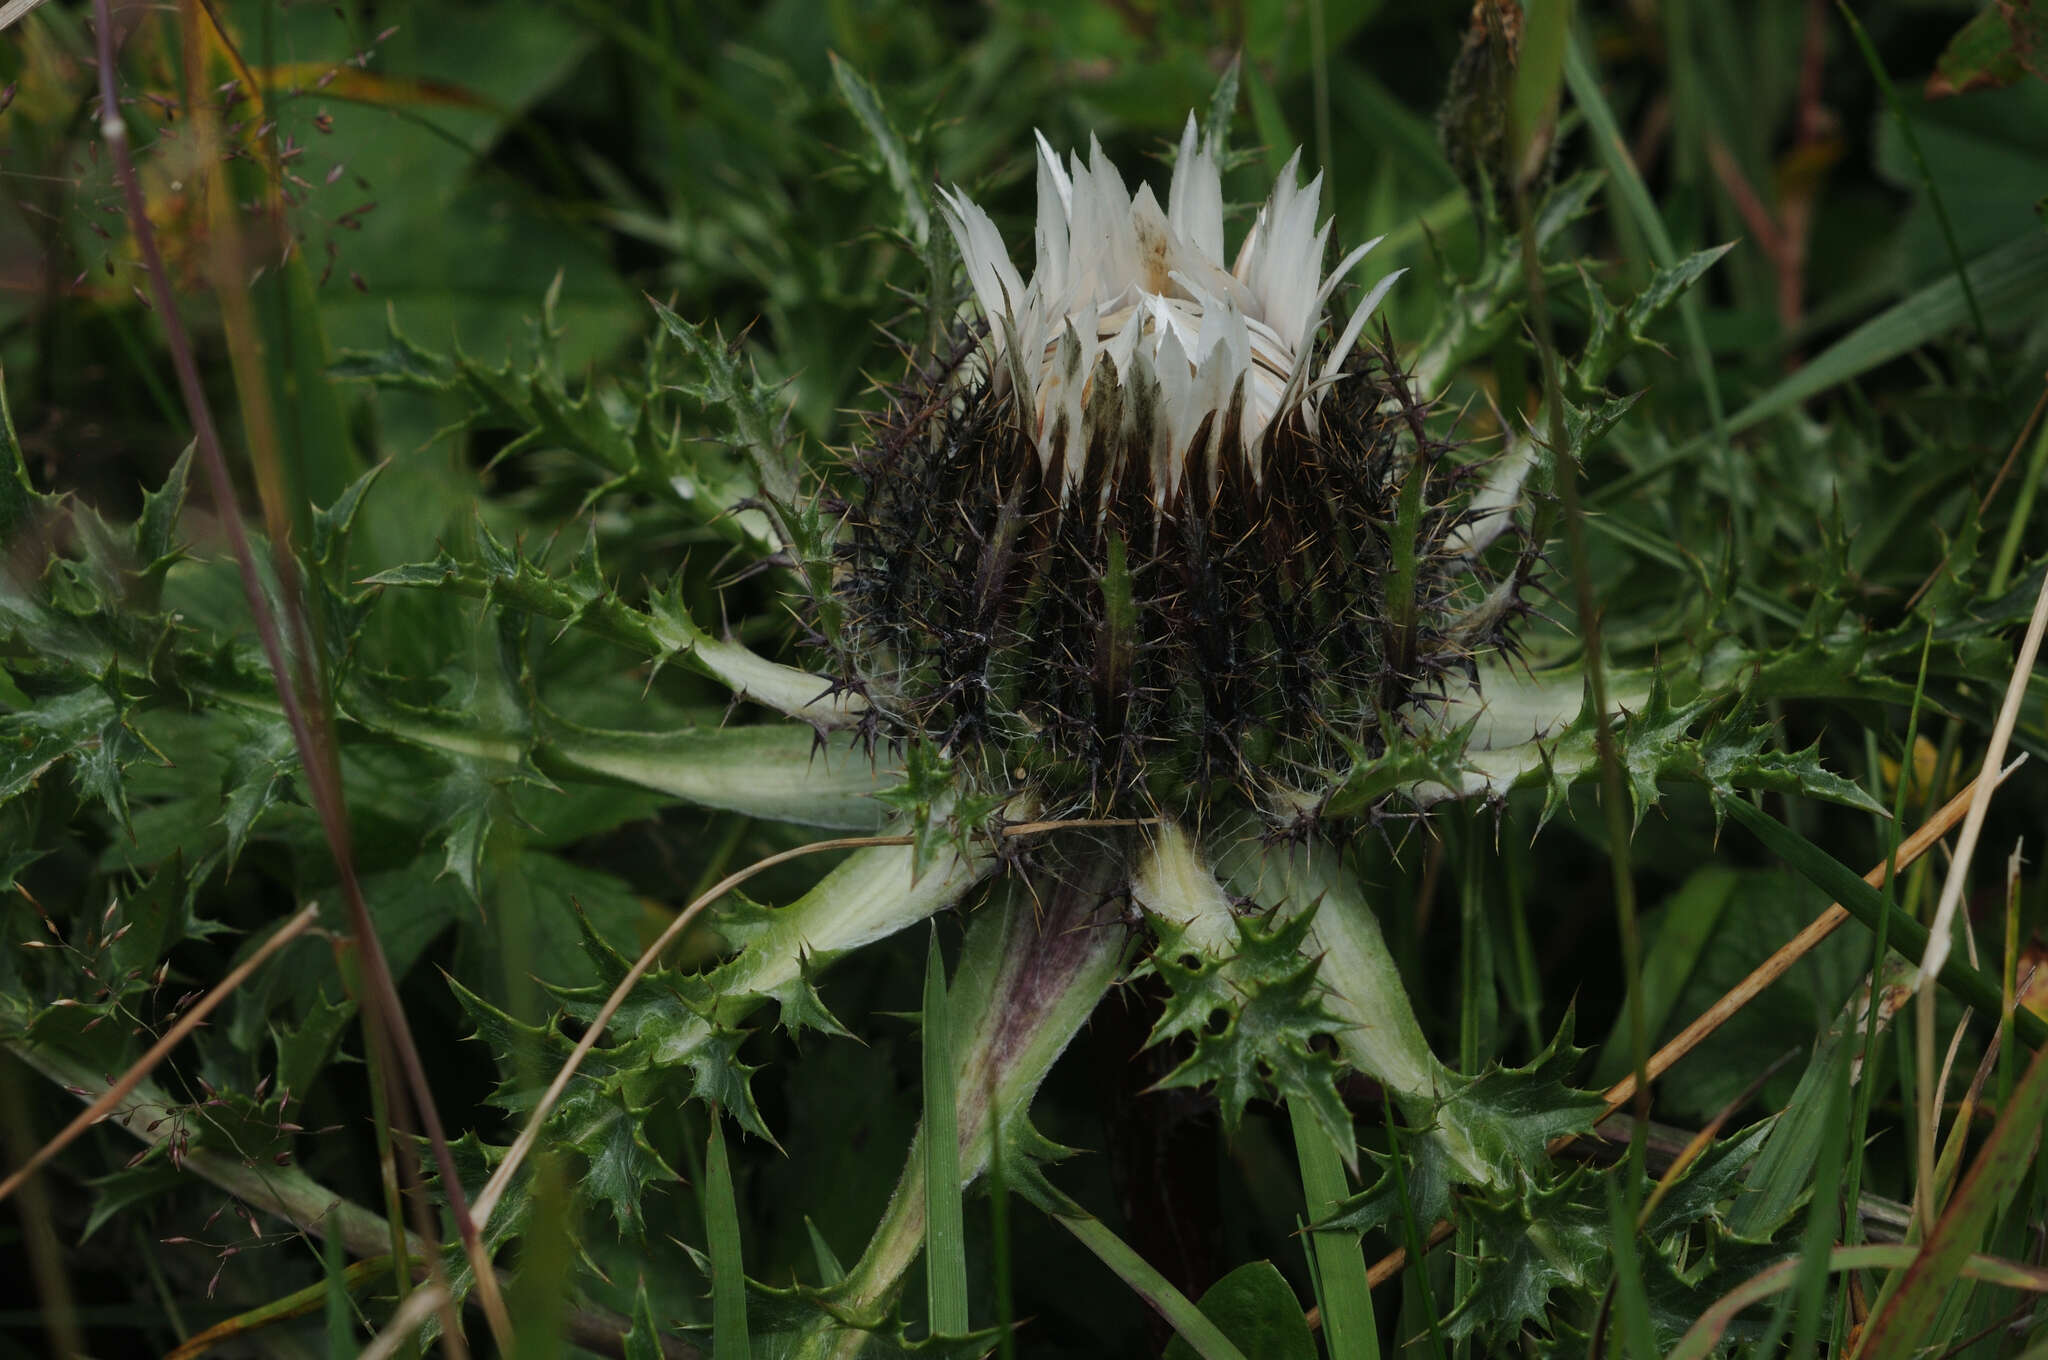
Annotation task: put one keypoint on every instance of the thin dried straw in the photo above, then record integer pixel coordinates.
(1738, 996)
(494, 1189)
(1938, 936)
(312, 735)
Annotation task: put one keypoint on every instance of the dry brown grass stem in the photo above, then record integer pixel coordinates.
(300, 688)
(1942, 928)
(494, 1189)
(1741, 994)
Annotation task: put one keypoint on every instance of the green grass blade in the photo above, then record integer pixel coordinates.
(1705, 1336)
(1532, 113)
(1148, 1284)
(1866, 1092)
(2016, 273)
(999, 1233)
(1912, 140)
(1345, 1293)
(830, 1271)
(1823, 1222)
(2022, 511)
(340, 1310)
(1411, 1238)
(2003, 1162)
(1269, 122)
(1631, 1300)
(1620, 164)
(1688, 923)
(1867, 905)
(539, 1299)
(945, 1234)
(728, 1265)
(17, 493)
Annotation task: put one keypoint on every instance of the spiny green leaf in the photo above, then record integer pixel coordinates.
(331, 523)
(1504, 1120)
(803, 1320)
(598, 1115)
(1222, 105)
(259, 774)
(942, 816)
(618, 431)
(904, 177)
(1615, 335)
(154, 538)
(1561, 1242)
(1510, 1115)
(1272, 1010)
(303, 1048)
(620, 1165)
(85, 726)
(1404, 768)
(115, 1194)
(470, 800)
(1481, 310)
(664, 631)
(727, 385)
(643, 1340)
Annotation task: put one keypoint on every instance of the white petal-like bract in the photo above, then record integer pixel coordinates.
(1137, 299)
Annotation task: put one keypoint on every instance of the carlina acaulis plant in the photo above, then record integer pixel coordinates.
(1155, 534)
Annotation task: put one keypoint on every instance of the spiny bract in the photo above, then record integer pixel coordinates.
(1145, 539)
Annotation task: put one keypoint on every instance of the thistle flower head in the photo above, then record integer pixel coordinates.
(1148, 537)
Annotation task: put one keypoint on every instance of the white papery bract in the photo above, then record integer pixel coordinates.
(1133, 340)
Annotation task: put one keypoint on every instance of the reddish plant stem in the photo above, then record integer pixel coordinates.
(311, 734)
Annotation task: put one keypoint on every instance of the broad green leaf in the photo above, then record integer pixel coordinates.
(1254, 1307)
(2005, 42)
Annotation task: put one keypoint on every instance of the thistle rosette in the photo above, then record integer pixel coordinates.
(1155, 536)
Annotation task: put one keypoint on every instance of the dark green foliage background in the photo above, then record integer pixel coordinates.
(555, 162)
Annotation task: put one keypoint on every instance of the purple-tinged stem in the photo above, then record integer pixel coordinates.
(311, 734)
